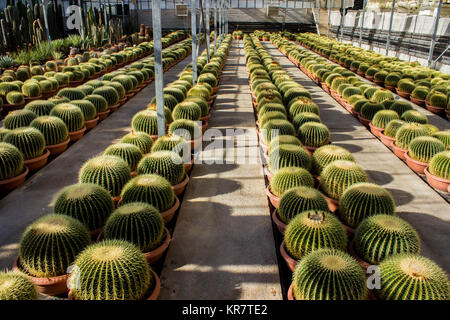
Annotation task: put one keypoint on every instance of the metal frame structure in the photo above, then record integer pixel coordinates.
(194, 40)
(388, 40)
(433, 37)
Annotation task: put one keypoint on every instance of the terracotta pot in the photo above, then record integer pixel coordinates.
(291, 262)
(29, 99)
(103, 115)
(12, 183)
(281, 226)
(375, 130)
(264, 147)
(135, 91)
(52, 286)
(435, 110)
(206, 118)
(370, 78)
(77, 135)
(379, 82)
(59, 148)
(114, 107)
(437, 182)
(274, 200)
(333, 204)
(122, 101)
(268, 173)
(353, 253)
(392, 88)
(419, 102)
(310, 149)
(291, 292)
(130, 95)
(399, 152)
(179, 188)
(38, 162)
(11, 107)
(402, 94)
(116, 201)
(134, 174)
(156, 254)
(90, 124)
(188, 166)
(416, 166)
(361, 74)
(350, 231)
(169, 214)
(387, 141)
(204, 127)
(74, 84)
(364, 121)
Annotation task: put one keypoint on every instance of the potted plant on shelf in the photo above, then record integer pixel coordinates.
(12, 169)
(55, 133)
(438, 173)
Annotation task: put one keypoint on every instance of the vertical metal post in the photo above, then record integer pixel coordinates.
(105, 13)
(226, 25)
(433, 37)
(194, 40)
(342, 20)
(207, 24)
(330, 2)
(159, 83)
(285, 13)
(123, 14)
(215, 26)
(44, 10)
(81, 20)
(361, 21)
(388, 41)
(318, 29)
(220, 22)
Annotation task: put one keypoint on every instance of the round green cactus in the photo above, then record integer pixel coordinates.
(18, 118)
(58, 100)
(11, 161)
(140, 139)
(392, 127)
(87, 90)
(369, 109)
(339, 175)
(304, 117)
(314, 134)
(99, 272)
(89, 203)
(50, 244)
(444, 137)
(383, 117)
(304, 231)
(187, 110)
(276, 127)
(94, 84)
(119, 88)
(72, 93)
(351, 91)
(130, 153)
(187, 129)
(109, 93)
(137, 222)
(381, 236)
(29, 141)
(362, 200)
(412, 277)
(145, 121)
(303, 105)
(420, 92)
(288, 155)
(202, 103)
(125, 81)
(31, 89)
(269, 116)
(407, 132)
(370, 92)
(169, 101)
(341, 277)
(423, 148)
(87, 108)
(167, 164)
(3, 133)
(70, 114)
(271, 107)
(172, 143)
(290, 177)
(40, 107)
(299, 199)
(100, 103)
(284, 139)
(414, 116)
(406, 85)
(438, 100)
(178, 94)
(15, 98)
(327, 154)
(16, 286)
(110, 172)
(53, 129)
(392, 79)
(439, 165)
(382, 95)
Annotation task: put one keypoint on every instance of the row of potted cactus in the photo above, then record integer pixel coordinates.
(115, 216)
(324, 203)
(396, 123)
(423, 86)
(44, 128)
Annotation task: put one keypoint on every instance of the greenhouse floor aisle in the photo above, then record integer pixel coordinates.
(416, 201)
(35, 197)
(223, 247)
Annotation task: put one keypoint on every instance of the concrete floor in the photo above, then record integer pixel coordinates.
(35, 198)
(223, 246)
(416, 201)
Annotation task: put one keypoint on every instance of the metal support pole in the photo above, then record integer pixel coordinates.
(318, 29)
(220, 22)
(215, 26)
(159, 84)
(207, 24)
(44, 10)
(361, 21)
(433, 37)
(285, 13)
(388, 41)
(194, 40)
(329, 17)
(80, 9)
(342, 20)
(226, 25)
(105, 13)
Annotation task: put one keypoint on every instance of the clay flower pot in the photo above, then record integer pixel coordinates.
(333, 204)
(130, 95)
(399, 152)
(116, 201)
(206, 118)
(281, 226)
(156, 254)
(392, 88)
(310, 149)
(114, 107)
(364, 121)
(12, 183)
(416, 166)
(188, 166)
(11, 107)
(169, 214)
(419, 102)
(77, 135)
(274, 200)
(103, 115)
(122, 101)
(204, 126)
(437, 182)
(90, 124)
(52, 286)
(38, 162)
(387, 141)
(179, 188)
(291, 292)
(268, 173)
(291, 262)
(402, 94)
(353, 253)
(59, 148)
(29, 99)
(375, 130)
(435, 110)
(370, 78)
(379, 82)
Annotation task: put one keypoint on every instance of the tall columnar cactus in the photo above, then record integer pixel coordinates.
(53, 129)
(304, 231)
(167, 164)
(137, 222)
(327, 154)
(100, 270)
(290, 177)
(407, 132)
(342, 278)
(287, 155)
(110, 172)
(382, 236)
(50, 244)
(16, 286)
(339, 175)
(29, 141)
(362, 200)
(89, 203)
(130, 153)
(300, 199)
(18, 118)
(424, 148)
(313, 134)
(11, 161)
(412, 277)
(70, 114)
(440, 165)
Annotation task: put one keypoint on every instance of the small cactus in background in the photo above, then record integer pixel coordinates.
(412, 277)
(40, 107)
(369, 109)
(71, 93)
(407, 132)
(145, 121)
(70, 114)
(16, 286)
(29, 141)
(382, 236)
(140, 139)
(313, 134)
(18, 118)
(288, 155)
(109, 93)
(128, 152)
(383, 117)
(167, 164)
(53, 129)
(424, 148)
(15, 98)
(303, 231)
(290, 177)
(187, 129)
(100, 103)
(401, 107)
(137, 222)
(89, 203)
(342, 278)
(439, 165)
(11, 161)
(50, 244)
(187, 110)
(414, 116)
